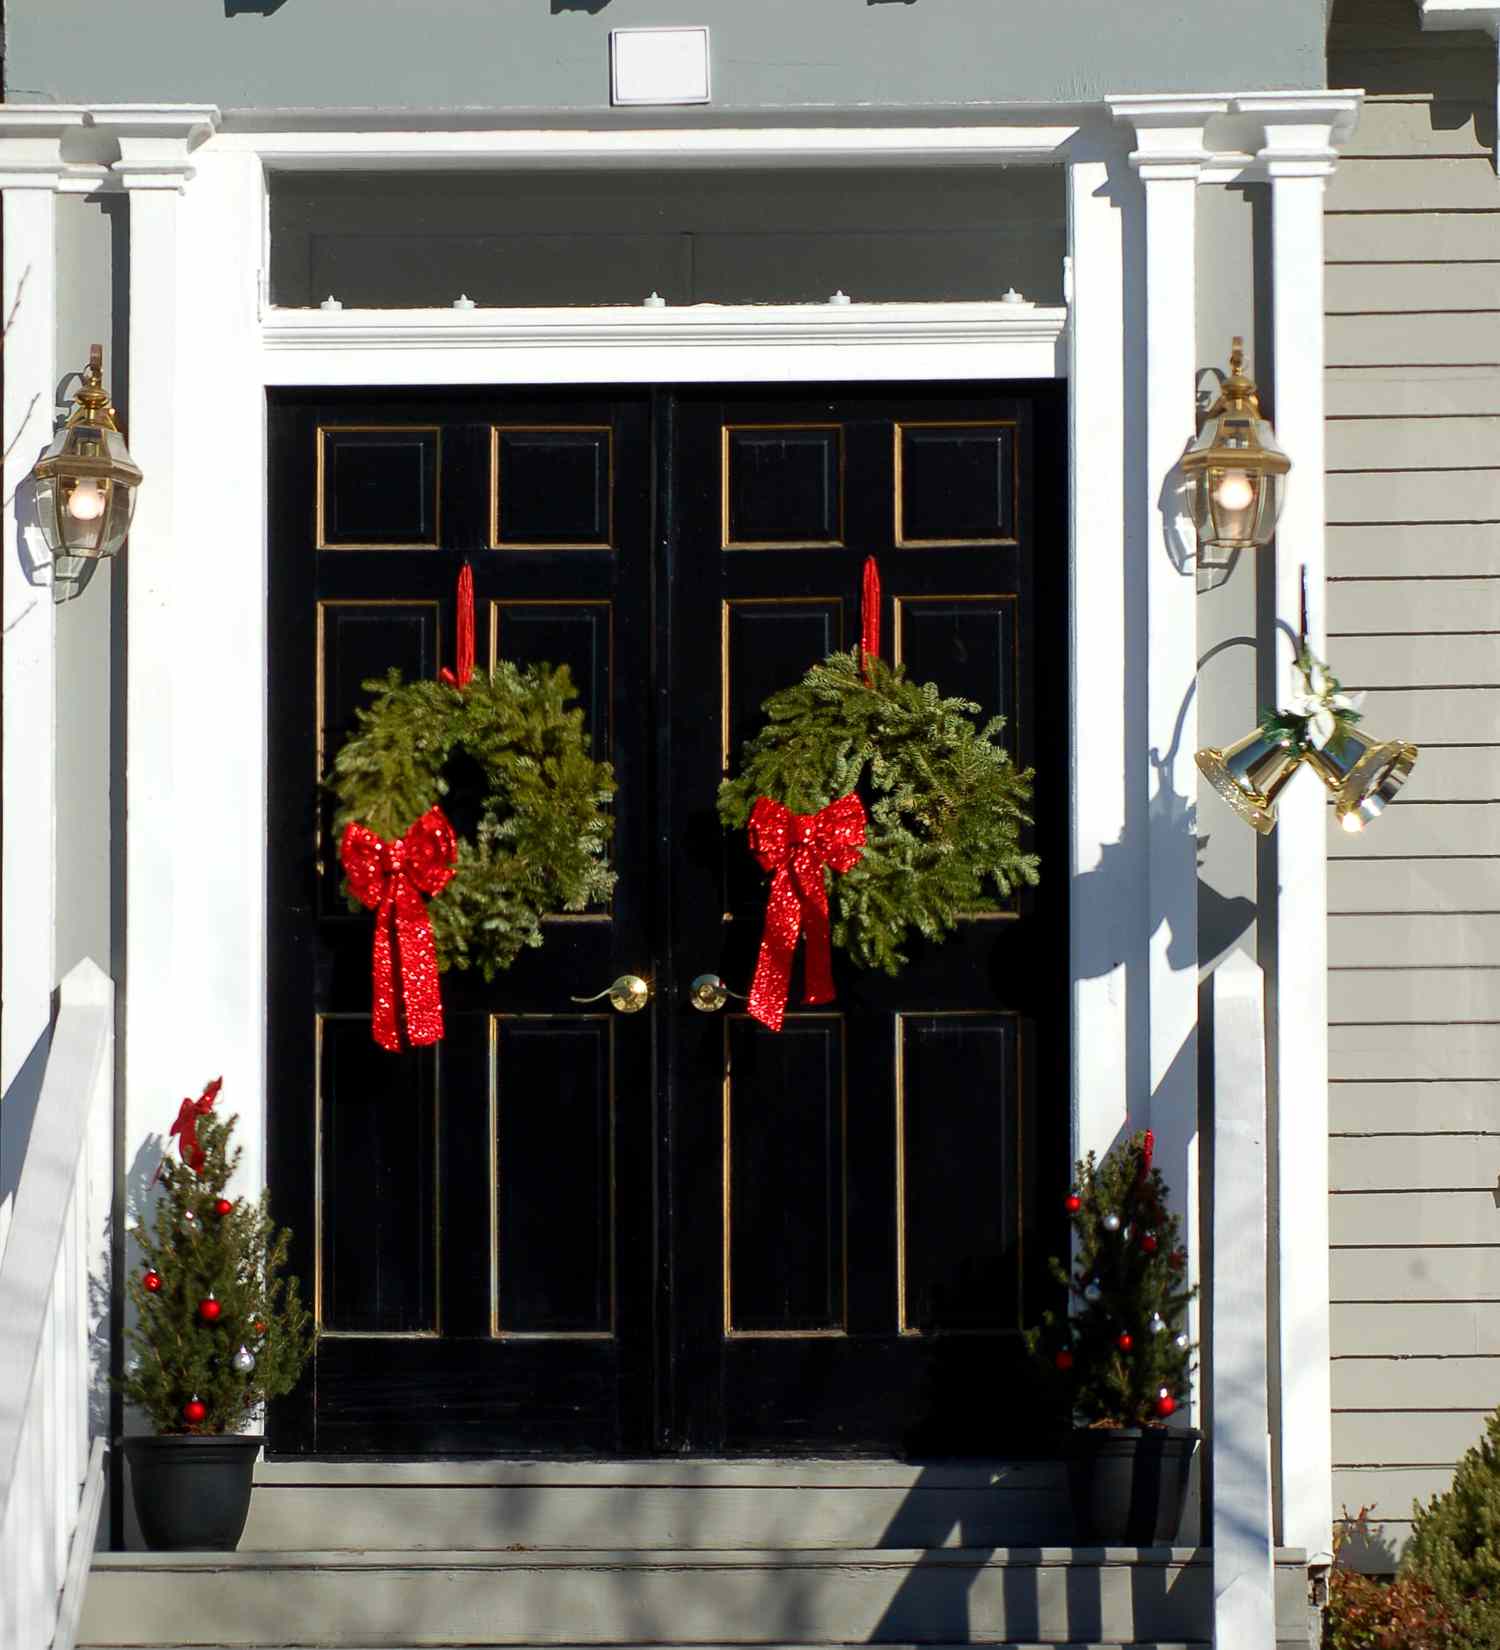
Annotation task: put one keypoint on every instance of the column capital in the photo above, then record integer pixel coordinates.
(1299, 134)
(155, 140)
(31, 144)
(1170, 131)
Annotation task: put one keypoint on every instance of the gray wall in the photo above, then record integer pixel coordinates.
(1413, 301)
(524, 54)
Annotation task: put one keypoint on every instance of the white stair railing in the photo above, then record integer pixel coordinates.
(51, 1470)
(1239, 1394)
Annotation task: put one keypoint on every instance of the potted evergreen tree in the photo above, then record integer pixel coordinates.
(217, 1331)
(1120, 1358)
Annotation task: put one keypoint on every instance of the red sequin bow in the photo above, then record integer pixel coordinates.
(186, 1126)
(390, 878)
(797, 847)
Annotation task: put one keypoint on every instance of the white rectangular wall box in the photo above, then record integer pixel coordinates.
(658, 66)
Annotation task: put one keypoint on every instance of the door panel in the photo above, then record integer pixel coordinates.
(567, 1230)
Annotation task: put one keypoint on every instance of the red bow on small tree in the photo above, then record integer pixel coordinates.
(797, 847)
(390, 878)
(186, 1127)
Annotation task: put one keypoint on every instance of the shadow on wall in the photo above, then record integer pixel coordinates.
(252, 8)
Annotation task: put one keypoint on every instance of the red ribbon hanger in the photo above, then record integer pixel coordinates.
(869, 617)
(797, 847)
(464, 653)
(390, 878)
(186, 1128)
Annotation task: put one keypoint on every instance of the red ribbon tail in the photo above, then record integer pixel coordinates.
(869, 617)
(773, 967)
(421, 999)
(383, 979)
(817, 952)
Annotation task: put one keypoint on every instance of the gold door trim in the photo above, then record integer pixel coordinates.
(728, 543)
(899, 604)
(903, 1326)
(435, 1333)
(898, 526)
(496, 431)
(497, 1331)
(435, 542)
(841, 1330)
(726, 608)
(320, 649)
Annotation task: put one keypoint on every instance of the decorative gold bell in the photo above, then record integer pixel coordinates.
(1250, 775)
(1361, 774)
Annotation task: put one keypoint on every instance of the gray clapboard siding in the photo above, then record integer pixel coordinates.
(1413, 339)
(1415, 1383)
(1428, 184)
(1357, 885)
(1386, 1107)
(1411, 237)
(1412, 550)
(1448, 70)
(1424, 1051)
(1458, 773)
(1392, 288)
(1424, 939)
(1416, 661)
(1412, 996)
(1450, 1273)
(1442, 1162)
(1417, 127)
(1386, 1220)
(1415, 495)
(1420, 830)
(1411, 392)
(1381, 607)
(1360, 1438)
(1451, 715)
(1446, 1327)
(1418, 443)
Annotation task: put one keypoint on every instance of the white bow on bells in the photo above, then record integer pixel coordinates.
(1317, 699)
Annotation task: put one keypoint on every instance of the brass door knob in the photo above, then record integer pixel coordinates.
(708, 994)
(627, 995)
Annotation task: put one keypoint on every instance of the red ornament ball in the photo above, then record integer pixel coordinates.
(260, 1328)
(152, 1281)
(223, 1206)
(1064, 1359)
(194, 1410)
(1074, 1203)
(209, 1310)
(1177, 1259)
(1166, 1404)
(1148, 1242)
(1125, 1341)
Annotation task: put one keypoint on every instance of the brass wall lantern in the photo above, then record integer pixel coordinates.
(1236, 466)
(86, 480)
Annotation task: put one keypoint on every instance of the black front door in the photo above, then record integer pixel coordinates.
(569, 1230)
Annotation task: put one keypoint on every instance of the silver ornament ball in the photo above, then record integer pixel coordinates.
(1158, 1323)
(244, 1360)
(1092, 1292)
(1111, 1223)
(1182, 1343)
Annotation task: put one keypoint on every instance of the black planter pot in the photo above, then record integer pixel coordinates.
(192, 1492)
(1128, 1484)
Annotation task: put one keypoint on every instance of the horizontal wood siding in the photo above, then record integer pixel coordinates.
(1413, 303)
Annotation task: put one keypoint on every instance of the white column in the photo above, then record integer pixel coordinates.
(1298, 156)
(165, 817)
(1106, 866)
(31, 167)
(1169, 156)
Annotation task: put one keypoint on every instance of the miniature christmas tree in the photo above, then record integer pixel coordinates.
(218, 1330)
(1455, 1543)
(1121, 1358)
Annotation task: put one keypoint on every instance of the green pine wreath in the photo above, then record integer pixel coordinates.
(542, 840)
(947, 803)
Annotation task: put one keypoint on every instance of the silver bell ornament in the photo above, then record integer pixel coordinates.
(244, 1360)
(1111, 1223)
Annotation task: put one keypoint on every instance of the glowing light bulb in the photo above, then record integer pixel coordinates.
(86, 501)
(1353, 824)
(1234, 491)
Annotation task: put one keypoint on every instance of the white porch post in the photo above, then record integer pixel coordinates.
(1169, 156)
(1298, 155)
(154, 168)
(31, 167)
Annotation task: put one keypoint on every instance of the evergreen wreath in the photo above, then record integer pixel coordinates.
(541, 844)
(948, 803)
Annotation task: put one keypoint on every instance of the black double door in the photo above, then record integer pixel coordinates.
(567, 1229)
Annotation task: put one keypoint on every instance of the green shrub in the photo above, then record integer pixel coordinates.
(1455, 1544)
(1367, 1613)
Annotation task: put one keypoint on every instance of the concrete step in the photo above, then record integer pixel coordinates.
(337, 1600)
(451, 1505)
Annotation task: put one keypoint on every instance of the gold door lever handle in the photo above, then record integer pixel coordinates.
(708, 994)
(627, 995)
